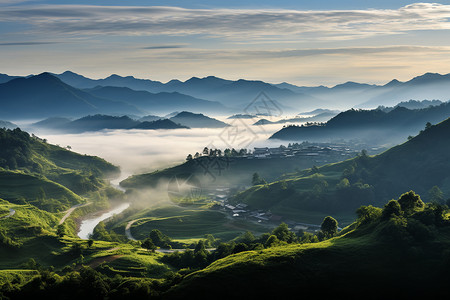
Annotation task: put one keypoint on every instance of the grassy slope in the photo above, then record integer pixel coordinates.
(183, 224)
(360, 262)
(18, 187)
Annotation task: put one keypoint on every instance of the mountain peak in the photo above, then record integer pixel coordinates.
(428, 78)
(352, 84)
(393, 82)
(45, 76)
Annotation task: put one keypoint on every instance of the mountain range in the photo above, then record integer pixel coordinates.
(100, 122)
(72, 95)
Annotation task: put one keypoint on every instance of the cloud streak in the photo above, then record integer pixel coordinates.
(236, 24)
(26, 43)
(164, 47)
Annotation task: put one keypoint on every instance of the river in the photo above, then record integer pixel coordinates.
(87, 226)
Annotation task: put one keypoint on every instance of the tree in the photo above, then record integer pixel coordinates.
(411, 202)
(256, 179)
(344, 183)
(90, 242)
(189, 157)
(148, 244)
(283, 234)
(271, 241)
(392, 208)
(367, 214)
(329, 226)
(157, 237)
(200, 247)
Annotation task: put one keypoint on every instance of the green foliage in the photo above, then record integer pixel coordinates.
(392, 208)
(148, 244)
(7, 241)
(367, 214)
(283, 233)
(329, 226)
(411, 202)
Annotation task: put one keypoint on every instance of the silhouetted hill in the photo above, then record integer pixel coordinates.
(426, 86)
(7, 125)
(100, 122)
(197, 120)
(52, 123)
(162, 102)
(321, 117)
(150, 118)
(159, 124)
(375, 126)
(131, 82)
(45, 95)
(5, 78)
(413, 104)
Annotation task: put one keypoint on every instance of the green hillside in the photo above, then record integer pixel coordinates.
(34, 171)
(339, 189)
(396, 252)
(23, 188)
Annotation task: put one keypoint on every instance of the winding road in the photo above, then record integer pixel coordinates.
(11, 212)
(128, 230)
(70, 211)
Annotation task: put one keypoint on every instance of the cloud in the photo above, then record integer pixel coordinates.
(26, 43)
(236, 24)
(233, 54)
(164, 47)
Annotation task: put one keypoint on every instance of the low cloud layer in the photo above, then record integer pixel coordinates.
(140, 151)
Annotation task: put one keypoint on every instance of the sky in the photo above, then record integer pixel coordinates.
(310, 43)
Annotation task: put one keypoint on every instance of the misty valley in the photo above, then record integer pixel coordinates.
(121, 187)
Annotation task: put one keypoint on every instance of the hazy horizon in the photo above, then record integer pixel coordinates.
(289, 41)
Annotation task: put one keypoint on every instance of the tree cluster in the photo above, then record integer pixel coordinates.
(219, 153)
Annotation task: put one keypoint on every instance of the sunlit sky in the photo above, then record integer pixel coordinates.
(301, 42)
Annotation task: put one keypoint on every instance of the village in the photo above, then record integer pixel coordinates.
(220, 195)
(320, 152)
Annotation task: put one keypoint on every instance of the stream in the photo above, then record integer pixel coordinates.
(87, 226)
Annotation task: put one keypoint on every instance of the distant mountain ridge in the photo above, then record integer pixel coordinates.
(376, 126)
(197, 120)
(101, 122)
(44, 95)
(160, 102)
(212, 94)
(341, 96)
